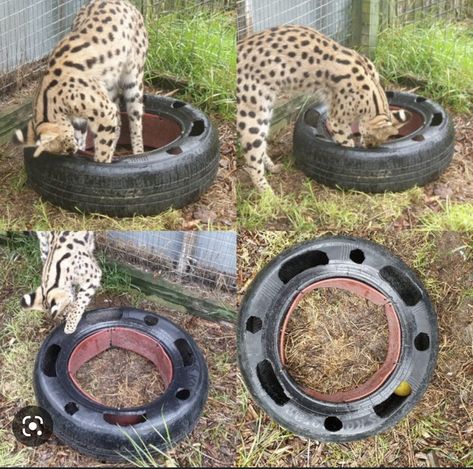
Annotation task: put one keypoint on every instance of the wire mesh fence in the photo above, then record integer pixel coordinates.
(331, 17)
(30, 30)
(201, 259)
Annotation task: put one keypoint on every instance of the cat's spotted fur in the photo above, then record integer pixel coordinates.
(297, 59)
(70, 276)
(100, 59)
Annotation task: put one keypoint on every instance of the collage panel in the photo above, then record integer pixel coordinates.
(354, 113)
(156, 346)
(313, 348)
(66, 160)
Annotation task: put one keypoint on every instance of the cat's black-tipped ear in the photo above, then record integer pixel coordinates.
(400, 117)
(19, 136)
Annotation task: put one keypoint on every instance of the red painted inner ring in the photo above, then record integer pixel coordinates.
(128, 339)
(158, 131)
(394, 338)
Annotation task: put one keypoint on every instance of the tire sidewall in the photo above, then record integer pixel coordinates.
(86, 430)
(395, 166)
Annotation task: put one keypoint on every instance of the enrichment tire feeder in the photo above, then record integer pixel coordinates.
(179, 164)
(364, 269)
(96, 430)
(418, 155)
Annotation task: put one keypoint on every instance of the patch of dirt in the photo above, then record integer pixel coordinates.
(20, 206)
(120, 378)
(326, 348)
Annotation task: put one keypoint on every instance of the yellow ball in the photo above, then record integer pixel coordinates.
(403, 390)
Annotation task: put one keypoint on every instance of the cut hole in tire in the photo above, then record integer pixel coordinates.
(389, 94)
(71, 408)
(437, 119)
(48, 365)
(254, 324)
(185, 350)
(422, 342)
(311, 118)
(183, 394)
(121, 379)
(325, 340)
(124, 420)
(151, 320)
(420, 99)
(418, 138)
(331, 360)
(298, 264)
(333, 424)
(159, 130)
(270, 383)
(357, 256)
(405, 287)
(389, 406)
(198, 128)
(174, 151)
(178, 104)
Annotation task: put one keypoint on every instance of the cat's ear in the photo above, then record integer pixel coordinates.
(400, 117)
(33, 300)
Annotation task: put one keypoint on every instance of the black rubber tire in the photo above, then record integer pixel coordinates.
(86, 430)
(395, 166)
(261, 317)
(144, 184)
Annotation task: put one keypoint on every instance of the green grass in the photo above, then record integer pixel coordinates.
(454, 217)
(436, 56)
(331, 209)
(196, 49)
(9, 457)
(45, 216)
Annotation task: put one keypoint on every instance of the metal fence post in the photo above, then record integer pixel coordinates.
(365, 23)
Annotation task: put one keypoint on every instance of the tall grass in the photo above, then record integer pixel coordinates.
(195, 49)
(436, 56)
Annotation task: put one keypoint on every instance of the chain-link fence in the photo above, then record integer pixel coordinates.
(30, 30)
(331, 17)
(201, 259)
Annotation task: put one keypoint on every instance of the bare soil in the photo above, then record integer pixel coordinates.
(326, 346)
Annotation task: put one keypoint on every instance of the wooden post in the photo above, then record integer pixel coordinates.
(365, 24)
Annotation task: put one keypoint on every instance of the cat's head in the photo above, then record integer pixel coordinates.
(54, 302)
(52, 137)
(381, 128)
